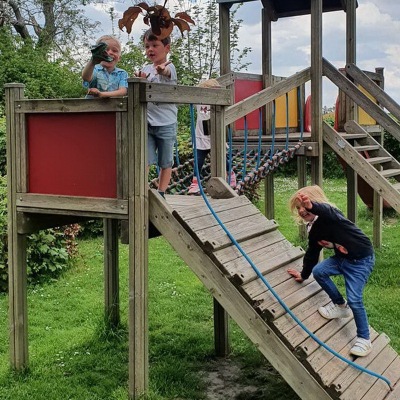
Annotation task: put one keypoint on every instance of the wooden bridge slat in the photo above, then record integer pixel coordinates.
(259, 257)
(276, 310)
(380, 388)
(257, 287)
(344, 380)
(332, 328)
(230, 253)
(208, 221)
(298, 335)
(285, 323)
(341, 343)
(215, 237)
(287, 253)
(364, 382)
(335, 367)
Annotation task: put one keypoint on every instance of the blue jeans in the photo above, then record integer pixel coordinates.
(355, 273)
(161, 142)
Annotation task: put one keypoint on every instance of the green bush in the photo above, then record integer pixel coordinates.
(49, 252)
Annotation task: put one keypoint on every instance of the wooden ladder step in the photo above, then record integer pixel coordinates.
(368, 147)
(387, 173)
(353, 136)
(378, 160)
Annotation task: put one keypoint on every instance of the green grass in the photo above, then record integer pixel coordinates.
(72, 356)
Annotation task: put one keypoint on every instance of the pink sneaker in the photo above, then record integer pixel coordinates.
(194, 187)
(233, 182)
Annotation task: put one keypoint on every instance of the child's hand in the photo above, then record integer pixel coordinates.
(162, 68)
(296, 275)
(304, 200)
(94, 92)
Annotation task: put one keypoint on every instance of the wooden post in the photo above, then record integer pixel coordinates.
(138, 242)
(111, 274)
(351, 111)
(316, 89)
(221, 318)
(267, 82)
(18, 311)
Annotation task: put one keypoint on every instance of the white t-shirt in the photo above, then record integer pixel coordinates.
(161, 114)
(203, 141)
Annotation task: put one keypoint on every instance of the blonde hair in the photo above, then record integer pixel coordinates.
(107, 38)
(210, 83)
(314, 193)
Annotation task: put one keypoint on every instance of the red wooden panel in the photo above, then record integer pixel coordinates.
(245, 88)
(72, 154)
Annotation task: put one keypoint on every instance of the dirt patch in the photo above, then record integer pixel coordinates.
(227, 379)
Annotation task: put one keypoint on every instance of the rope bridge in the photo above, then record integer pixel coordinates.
(250, 168)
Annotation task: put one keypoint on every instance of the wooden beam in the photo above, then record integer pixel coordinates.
(362, 100)
(260, 99)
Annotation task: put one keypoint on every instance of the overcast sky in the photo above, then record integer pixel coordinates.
(378, 39)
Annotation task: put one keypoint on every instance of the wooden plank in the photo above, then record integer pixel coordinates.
(265, 96)
(308, 307)
(67, 204)
(257, 286)
(361, 166)
(165, 93)
(238, 308)
(297, 335)
(275, 310)
(395, 394)
(379, 94)
(208, 221)
(48, 106)
(215, 237)
(380, 389)
(231, 253)
(332, 328)
(242, 273)
(361, 99)
(364, 382)
(335, 367)
(345, 379)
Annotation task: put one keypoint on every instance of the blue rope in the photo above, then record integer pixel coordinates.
(261, 276)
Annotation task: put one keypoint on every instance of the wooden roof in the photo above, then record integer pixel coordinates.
(290, 8)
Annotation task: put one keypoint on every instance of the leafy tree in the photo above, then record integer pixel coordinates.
(50, 24)
(42, 78)
(196, 54)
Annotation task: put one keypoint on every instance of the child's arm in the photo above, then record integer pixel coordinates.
(87, 72)
(305, 201)
(163, 69)
(122, 91)
(296, 275)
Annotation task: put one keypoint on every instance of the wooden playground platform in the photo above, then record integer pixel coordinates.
(187, 223)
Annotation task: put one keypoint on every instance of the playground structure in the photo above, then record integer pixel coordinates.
(110, 182)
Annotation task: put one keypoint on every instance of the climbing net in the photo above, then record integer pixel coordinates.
(250, 168)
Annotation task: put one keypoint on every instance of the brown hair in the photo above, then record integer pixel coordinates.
(149, 35)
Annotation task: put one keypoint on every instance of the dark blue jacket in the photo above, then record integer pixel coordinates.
(347, 240)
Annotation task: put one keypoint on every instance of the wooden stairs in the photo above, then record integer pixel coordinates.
(368, 158)
(312, 371)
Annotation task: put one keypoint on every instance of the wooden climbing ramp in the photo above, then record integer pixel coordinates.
(311, 370)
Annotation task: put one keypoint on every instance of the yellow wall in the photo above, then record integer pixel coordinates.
(363, 117)
(280, 107)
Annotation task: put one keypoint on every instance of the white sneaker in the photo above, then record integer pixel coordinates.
(332, 311)
(194, 187)
(361, 348)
